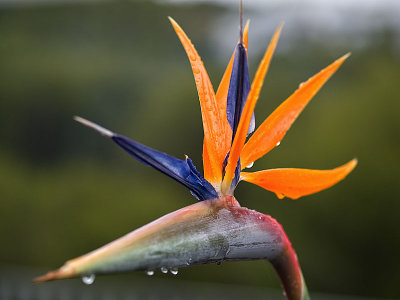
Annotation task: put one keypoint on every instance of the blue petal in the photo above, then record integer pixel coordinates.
(239, 87)
(238, 169)
(182, 171)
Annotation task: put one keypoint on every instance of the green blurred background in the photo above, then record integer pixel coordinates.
(65, 190)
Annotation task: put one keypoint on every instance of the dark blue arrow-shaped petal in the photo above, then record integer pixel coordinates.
(239, 87)
(180, 170)
(235, 180)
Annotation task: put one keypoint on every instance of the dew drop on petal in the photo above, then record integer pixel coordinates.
(250, 165)
(88, 279)
(278, 143)
(196, 70)
(150, 272)
(164, 270)
(189, 261)
(174, 271)
(192, 56)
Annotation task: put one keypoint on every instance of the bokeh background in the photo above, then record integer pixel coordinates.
(65, 190)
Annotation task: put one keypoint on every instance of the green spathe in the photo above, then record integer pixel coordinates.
(206, 232)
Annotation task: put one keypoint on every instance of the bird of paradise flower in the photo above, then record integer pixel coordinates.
(217, 228)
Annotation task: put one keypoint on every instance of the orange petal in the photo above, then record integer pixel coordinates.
(248, 109)
(246, 35)
(295, 183)
(221, 97)
(213, 122)
(206, 162)
(222, 92)
(274, 128)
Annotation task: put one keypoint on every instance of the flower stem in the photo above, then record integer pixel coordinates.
(289, 272)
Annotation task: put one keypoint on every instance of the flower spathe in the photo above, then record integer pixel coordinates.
(218, 228)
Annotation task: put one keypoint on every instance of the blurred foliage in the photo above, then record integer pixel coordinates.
(64, 190)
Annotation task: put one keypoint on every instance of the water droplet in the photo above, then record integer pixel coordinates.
(250, 165)
(88, 279)
(196, 70)
(278, 143)
(150, 272)
(174, 271)
(164, 270)
(192, 56)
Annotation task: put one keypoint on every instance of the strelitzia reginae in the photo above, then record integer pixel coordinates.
(217, 228)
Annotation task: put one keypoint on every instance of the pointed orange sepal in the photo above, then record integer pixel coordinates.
(207, 167)
(295, 183)
(246, 35)
(274, 128)
(248, 109)
(221, 97)
(213, 122)
(222, 92)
